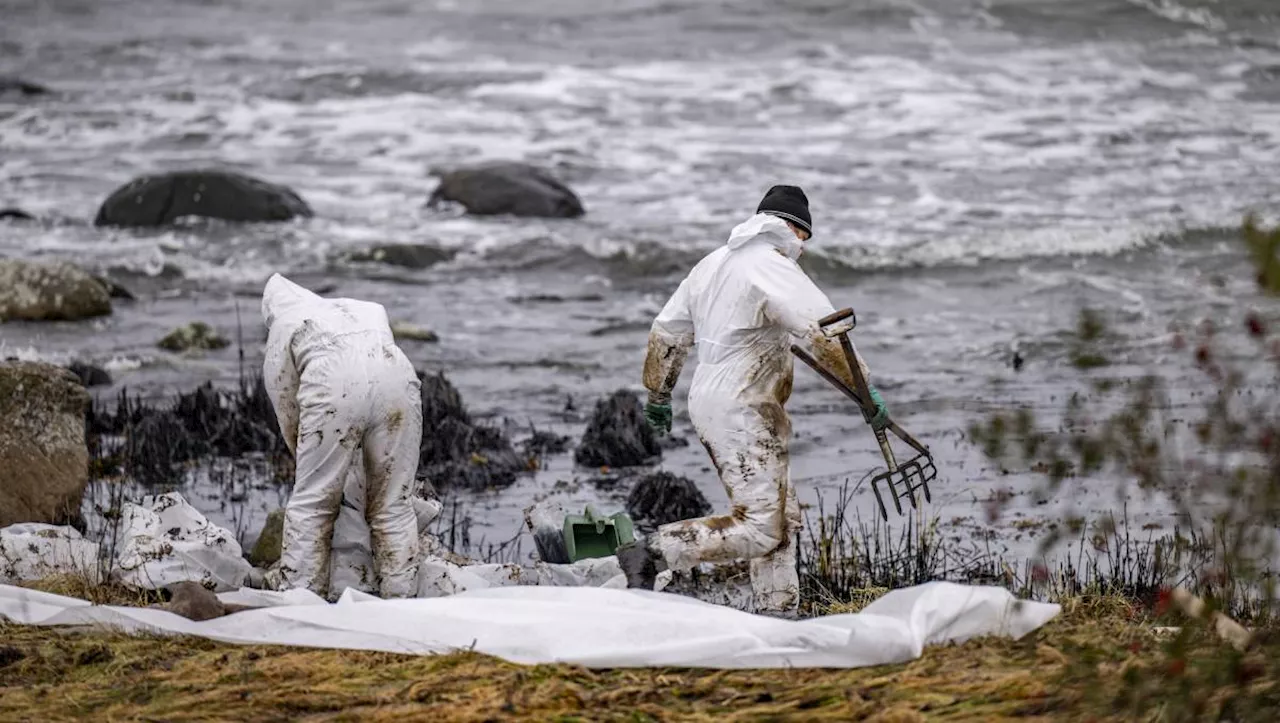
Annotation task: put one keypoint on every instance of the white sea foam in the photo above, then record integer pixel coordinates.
(1010, 149)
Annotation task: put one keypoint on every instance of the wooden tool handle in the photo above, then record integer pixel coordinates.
(835, 316)
(813, 364)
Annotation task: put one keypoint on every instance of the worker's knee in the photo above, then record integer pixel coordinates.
(313, 504)
(762, 528)
(392, 515)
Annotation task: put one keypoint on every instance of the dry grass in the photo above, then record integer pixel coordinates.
(857, 600)
(83, 588)
(1079, 667)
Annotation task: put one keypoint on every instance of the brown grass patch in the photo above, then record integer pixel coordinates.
(1079, 667)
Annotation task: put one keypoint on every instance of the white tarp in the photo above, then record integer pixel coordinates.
(165, 540)
(594, 627)
(32, 551)
(438, 577)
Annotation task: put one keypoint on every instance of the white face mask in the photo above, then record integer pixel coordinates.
(796, 251)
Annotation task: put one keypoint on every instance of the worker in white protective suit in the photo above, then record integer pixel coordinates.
(742, 306)
(345, 397)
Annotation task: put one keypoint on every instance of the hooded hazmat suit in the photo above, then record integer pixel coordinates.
(349, 406)
(742, 306)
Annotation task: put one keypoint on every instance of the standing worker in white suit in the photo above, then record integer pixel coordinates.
(344, 395)
(742, 306)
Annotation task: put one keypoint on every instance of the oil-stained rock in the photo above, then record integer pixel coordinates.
(158, 440)
(662, 498)
(455, 451)
(618, 435)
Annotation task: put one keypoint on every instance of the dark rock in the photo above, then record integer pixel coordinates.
(542, 444)
(196, 335)
(18, 86)
(60, 291)
(517, 189)
(42, 444)
(162, 199)
(90, 375)
(456, 452)
(554, 298)
(15, 214)
(114, 290)
(440, 400)
(409, 256)
(194, 601)
(618, 435)
(663, 498)
(230, 423)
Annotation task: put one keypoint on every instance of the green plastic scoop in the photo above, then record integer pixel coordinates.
(589, 535)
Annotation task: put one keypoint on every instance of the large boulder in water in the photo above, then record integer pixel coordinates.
(42, 444)
(10, 86)
(517, 189)
(409, 256)
(457, 452)
(662, 498)
(15, 214)
(90, 375)
(161, 199)
(618, 435)
(31, 291)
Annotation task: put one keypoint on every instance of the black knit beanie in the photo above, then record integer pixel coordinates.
(789, 203)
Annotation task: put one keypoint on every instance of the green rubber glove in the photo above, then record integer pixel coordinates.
(880, 420)
(659, 418)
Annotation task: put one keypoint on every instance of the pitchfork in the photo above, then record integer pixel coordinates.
(902, 480)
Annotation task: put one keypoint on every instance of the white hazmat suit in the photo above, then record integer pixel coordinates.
(742, 306)
(349, 406)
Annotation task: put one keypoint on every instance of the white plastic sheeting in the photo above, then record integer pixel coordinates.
(165, 540)
(31, 551)
(438, 577)
(594, 627)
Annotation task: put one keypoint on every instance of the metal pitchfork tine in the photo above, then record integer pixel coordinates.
(902, 480)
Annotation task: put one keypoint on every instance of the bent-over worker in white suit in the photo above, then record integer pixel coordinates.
(344, 394)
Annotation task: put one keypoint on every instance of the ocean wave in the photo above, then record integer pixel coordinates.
(649, 259)
(1182, 13)
(987, 147)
